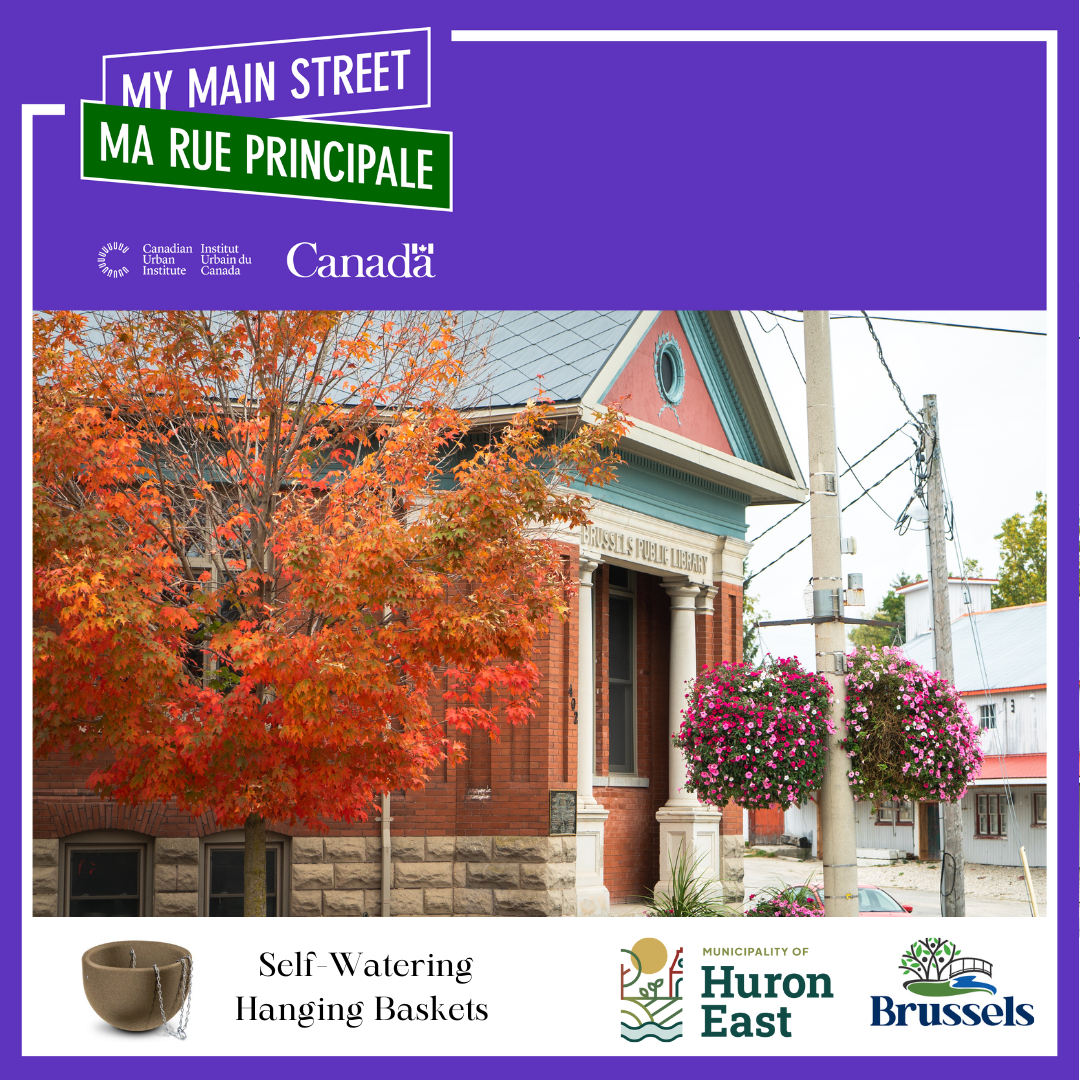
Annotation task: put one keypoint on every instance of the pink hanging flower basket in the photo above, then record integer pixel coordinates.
(757, 737)
(910, 735)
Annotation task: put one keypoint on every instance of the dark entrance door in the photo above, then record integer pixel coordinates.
(932, 832)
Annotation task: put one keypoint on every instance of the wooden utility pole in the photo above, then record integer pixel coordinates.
(952, 848)
(841, 892)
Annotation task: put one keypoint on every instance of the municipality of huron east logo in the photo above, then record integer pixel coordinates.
(651, 1007)
(938, 971)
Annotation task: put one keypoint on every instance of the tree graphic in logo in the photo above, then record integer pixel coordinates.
(651, 1008)
(939, 971)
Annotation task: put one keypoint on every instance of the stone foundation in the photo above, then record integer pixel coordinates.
(46, 877)
(176, 877)
(436, 875)
(731, 869)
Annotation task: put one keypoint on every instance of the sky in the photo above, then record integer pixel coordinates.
(995, 415)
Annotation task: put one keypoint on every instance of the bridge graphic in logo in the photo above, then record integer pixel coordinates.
(651, 1008)
(938, 971)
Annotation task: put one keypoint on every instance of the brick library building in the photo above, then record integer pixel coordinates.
(584, 806)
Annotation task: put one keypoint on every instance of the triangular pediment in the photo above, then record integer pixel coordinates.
(663, 384)
(705, 407)
(721, 426)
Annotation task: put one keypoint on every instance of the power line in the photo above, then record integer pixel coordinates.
(780, 522)
(922, 322)
(785, 337)
(956, 325)
(843, 474)
(881, 354)
(896, 385)
(865, 491)
(878, 447)
(746, 581)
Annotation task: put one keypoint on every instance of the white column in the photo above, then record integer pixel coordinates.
(586, 689)
(685, 825)
(681, 671)
(592, 897)
(731, 847)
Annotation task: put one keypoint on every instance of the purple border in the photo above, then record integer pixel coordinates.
(128, 28)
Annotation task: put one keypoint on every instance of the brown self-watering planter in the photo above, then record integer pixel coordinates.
(127, 996)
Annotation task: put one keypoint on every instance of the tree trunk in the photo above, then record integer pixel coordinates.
(255, 867)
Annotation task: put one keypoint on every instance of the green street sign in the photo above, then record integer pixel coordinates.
(300, 159)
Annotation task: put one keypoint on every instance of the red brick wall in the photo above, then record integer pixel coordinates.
(520, 769)
(63, 806)
(727, 605)
(728, 620)
(731, 822)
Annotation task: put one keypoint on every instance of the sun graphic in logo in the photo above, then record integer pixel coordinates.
(648, 955)
(103, 259)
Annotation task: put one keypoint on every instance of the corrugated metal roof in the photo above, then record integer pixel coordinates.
(564, 348)
(1012, 642)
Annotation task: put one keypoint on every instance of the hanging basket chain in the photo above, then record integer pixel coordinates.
(184, 991)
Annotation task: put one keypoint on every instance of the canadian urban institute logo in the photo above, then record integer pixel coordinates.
(651, 1008)
(935, 969)
(109, 259)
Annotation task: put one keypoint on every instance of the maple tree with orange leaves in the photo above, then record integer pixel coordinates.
(262, 540)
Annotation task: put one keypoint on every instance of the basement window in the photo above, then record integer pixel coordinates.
(225, 896)
(105, 882)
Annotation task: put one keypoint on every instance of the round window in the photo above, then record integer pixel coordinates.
(667, 373)
(668, 369)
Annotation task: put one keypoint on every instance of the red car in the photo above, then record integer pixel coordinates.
(873, 902)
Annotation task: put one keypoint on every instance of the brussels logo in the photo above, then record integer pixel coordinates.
(106, 260)
(651, 1007)
(935, 969)
(938, 972)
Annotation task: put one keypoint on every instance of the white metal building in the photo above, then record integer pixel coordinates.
(999, 664)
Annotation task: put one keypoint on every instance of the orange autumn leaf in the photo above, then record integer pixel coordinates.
(266, 542)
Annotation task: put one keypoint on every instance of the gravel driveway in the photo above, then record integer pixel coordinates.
(990, 890)
(980, 882)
